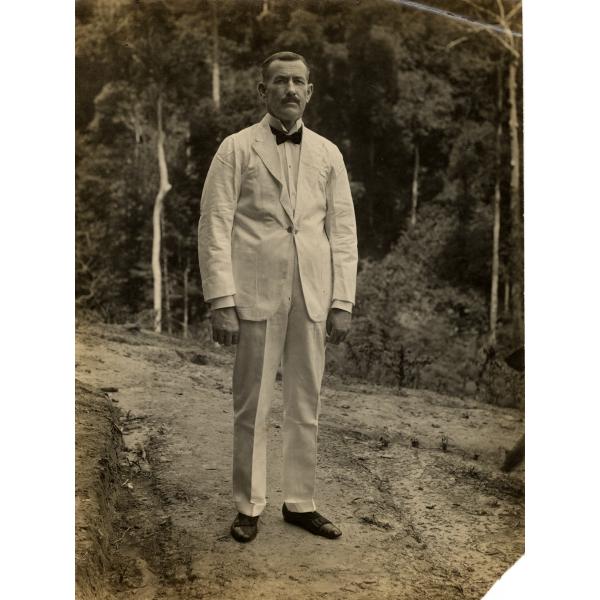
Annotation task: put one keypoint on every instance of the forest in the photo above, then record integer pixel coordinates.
(424, 101)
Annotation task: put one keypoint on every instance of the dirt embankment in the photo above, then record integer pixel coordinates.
(412, 478)
(97, 449)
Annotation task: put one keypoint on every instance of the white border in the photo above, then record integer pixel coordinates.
(562, 198)
(37, 250)
(562, 182)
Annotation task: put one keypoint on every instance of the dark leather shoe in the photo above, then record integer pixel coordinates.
(311, 521)
(244, 528)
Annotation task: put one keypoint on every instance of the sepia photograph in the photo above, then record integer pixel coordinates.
(299, 298)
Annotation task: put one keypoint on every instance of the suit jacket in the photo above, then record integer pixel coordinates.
(248, 230)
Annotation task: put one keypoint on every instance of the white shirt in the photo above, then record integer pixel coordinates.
(289, 157)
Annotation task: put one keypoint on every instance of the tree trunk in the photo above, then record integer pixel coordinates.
(516, 210)
(186, 309)
(506, 307)
(265, 10)
(371, 151)
(415, 189)
(137, 130)
(216, 70)
(165, 264)
(496, 228)
(163, 189)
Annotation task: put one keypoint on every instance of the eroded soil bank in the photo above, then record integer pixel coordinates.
(412, 478)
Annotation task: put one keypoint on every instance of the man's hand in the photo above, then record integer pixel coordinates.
(338, 325)
(225, 326)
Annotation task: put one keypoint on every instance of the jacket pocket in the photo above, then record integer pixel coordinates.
(260, 190)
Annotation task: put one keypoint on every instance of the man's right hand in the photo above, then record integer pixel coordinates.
(225, 326)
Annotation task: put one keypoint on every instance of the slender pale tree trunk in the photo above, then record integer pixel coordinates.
(506, 307)
(496, 227)
(265, 10)
(166, 279)
(516, 210)
(371, 150)
(495, 267)
(137, 129)
(163, 189)
(415, 189)
(216, 69)
(186, 309)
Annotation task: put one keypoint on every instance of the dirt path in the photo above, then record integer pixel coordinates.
(418, 522)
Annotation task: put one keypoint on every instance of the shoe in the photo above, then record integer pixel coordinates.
(311, 521)
(244, 528)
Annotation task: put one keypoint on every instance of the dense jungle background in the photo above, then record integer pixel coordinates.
(426, 109)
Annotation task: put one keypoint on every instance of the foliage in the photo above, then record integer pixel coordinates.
(412, 328)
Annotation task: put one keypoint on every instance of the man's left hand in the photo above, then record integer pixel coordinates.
(338, 325)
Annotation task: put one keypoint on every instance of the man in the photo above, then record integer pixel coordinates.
(278, 258)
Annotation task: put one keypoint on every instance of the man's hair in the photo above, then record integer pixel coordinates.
(289, 56)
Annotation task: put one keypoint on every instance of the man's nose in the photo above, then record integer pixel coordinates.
(290, 87)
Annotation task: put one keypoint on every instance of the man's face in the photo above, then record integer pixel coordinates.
(286, 91)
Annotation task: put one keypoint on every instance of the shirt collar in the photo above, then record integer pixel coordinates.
(275, 122)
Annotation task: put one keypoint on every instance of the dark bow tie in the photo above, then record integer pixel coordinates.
(281, 137)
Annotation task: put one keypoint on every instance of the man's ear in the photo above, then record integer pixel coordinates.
(261, 89)
(309, 91)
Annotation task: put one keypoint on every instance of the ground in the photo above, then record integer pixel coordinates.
(411, 477)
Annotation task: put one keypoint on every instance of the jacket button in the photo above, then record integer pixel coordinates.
(290, 229)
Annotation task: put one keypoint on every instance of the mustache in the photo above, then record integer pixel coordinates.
(292, 99)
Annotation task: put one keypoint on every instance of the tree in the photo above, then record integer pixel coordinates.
(506, 20)
(497, 215)
(216, 68)
(151, 69)
(376, 150)
(424, 112)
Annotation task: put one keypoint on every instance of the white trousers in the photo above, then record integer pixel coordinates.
(291, 334)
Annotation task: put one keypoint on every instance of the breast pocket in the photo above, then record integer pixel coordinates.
(259, 188)
(315, 176)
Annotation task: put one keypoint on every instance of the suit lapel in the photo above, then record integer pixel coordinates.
(309, 154)
(266, 148)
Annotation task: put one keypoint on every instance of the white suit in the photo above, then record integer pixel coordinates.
(284, 268)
